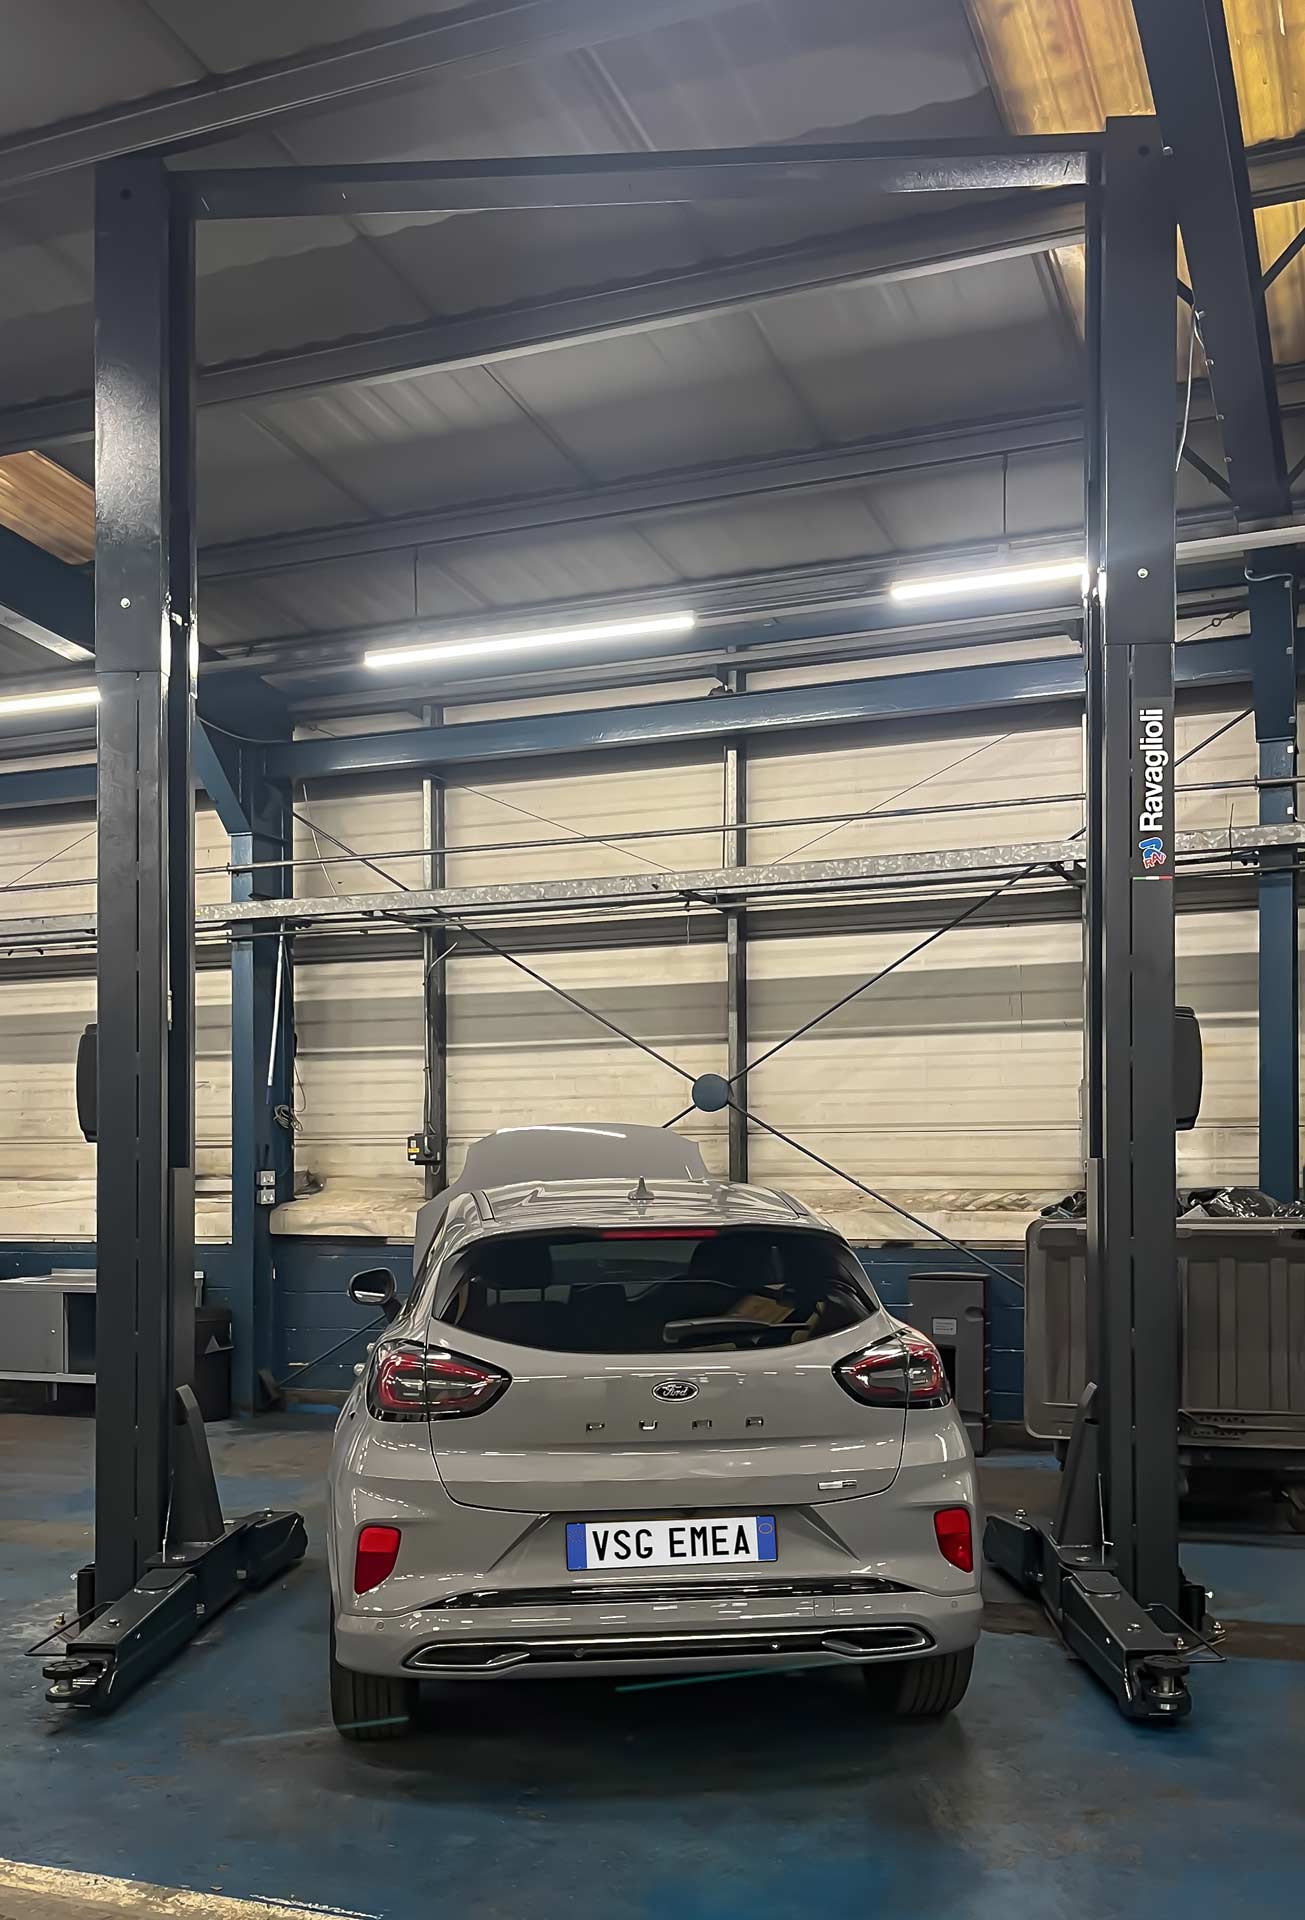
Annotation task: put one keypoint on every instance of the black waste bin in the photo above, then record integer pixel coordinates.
(213, 1362)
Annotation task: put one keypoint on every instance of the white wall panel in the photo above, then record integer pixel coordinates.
(519, 1056)
(990, 758)
(953, 1086)
(48, 866)
(359, 1067)
(376, 818)
(589, 795)
(47, 1170)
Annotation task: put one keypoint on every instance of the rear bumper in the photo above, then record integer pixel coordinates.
(658, 1635)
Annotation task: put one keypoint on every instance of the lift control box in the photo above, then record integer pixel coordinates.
(423, 1149)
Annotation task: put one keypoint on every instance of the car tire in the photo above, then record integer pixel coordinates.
(921, 1689)
(369, 1706)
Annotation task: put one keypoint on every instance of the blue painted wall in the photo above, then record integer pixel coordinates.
(891, 1268)
(314, 1311)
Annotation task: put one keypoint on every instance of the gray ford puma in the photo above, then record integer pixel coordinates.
(635, 1420)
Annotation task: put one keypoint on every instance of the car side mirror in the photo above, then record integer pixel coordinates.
(376, 1287)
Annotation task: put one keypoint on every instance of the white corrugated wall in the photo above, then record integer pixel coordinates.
(47, 1170)
(952, 1086)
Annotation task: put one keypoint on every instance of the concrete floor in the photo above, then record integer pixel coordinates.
(770, 1798)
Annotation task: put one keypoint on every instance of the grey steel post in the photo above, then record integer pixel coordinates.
(734, 854)
(435, 997)
(262, 1070)
(1273, 670)
(143, 577)
(1132, 1239)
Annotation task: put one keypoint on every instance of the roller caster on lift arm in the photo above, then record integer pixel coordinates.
(205, 1565)
(1066, 1565)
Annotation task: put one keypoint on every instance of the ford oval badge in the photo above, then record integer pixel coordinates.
(674, 1390)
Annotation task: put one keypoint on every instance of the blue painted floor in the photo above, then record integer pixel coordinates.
(770, 1799)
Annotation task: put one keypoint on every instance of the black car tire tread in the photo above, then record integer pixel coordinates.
(369, 1706)
(923, 1689)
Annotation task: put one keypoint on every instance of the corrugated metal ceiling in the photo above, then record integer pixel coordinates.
(801, 373)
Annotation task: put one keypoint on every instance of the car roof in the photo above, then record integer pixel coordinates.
(561, 1206)
(685, 1203)
(611, 1149)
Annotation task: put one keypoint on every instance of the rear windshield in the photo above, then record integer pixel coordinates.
(656, 1291)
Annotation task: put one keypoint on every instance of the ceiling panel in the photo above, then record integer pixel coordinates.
(557, 565)
(435, 440)
(241, 33)
(760, 534)
(950, 346)
(249, 483)
(777, 71)
(68, 57)
(680, 396)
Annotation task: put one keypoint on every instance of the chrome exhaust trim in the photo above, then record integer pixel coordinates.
(856, 1644)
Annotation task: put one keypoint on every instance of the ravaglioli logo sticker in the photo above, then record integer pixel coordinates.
(1153, 788)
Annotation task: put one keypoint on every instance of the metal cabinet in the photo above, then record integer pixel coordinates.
(47, 1327)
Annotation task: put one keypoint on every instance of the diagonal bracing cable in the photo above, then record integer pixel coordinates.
(882, 1198)
(975, 906)
(492, 946)
(855, 819)
(622, 1033)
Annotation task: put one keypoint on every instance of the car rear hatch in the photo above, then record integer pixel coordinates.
(757, 1429)
(740, 1411)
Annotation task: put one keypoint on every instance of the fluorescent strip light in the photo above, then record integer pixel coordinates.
(50, 702)
(1222, 546)
(948, 586)
(488, 646)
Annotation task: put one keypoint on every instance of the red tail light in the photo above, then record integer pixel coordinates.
(955, 1538)
(905, 1370)
(378, 1549)
(408, 1381)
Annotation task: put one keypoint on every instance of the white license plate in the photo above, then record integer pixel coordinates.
(593, 1545)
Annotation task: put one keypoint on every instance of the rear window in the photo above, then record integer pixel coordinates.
(651, 1291)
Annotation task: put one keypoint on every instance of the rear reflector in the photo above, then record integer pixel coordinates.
(955, 1539)
(378, 1549)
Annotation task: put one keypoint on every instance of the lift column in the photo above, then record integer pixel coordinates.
(1106, 1567)
(145, 664)
(1132, 1242)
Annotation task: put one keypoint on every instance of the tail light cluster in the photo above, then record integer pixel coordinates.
(905, 1370)
(410, 1381)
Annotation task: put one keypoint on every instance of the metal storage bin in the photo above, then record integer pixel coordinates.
(1242, 1382)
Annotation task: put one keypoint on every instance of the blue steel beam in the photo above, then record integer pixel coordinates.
(1190, 67)
(217, 762)
(44, 599)
(1200, 663)
(1273, 681)
(48, 787)
(894, 697)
